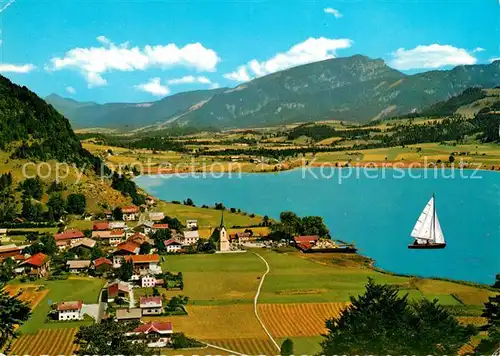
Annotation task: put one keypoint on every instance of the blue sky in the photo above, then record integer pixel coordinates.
(108, 51)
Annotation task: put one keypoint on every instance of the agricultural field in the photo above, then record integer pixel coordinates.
(31, 294)
(298, 294)
(45, 342)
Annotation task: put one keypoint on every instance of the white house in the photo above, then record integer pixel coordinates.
(150, 281)
(130, 213)
(77, 266)
(145, 227)
(191, 224)
(70, 311)
(156, 216)
(151, 305)
(173, 246)
(145, 264)
(117, 224)
(111, 237)
(3, 234)
(157, 333)
(190, 237)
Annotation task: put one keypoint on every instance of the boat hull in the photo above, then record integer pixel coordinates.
(430, 246)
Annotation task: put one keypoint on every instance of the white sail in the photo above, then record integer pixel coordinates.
(438, 233)
(423, 227)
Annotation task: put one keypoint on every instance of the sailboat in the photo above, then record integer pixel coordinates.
(427, 231)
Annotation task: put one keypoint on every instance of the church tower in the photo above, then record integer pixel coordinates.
(224, 244)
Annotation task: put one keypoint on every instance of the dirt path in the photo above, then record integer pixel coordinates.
(256, 299)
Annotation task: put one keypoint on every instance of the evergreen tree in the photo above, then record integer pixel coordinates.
(13, 313)
(286, 347)
(76, 204)
(382, 322)
(57, 205)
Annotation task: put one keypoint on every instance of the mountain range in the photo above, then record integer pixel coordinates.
(354, 88)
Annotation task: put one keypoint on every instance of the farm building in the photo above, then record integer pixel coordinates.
(157, 227)
(145, 264)
(144, 227)
(122, 250)
(117, 225)
(157, 333)
(68, 238)
(10, 250)
(128, 314)
(173, 246)
(37, 265)
(70, 311)
(111, 237)
(156, 216)
(151, 305)
(306, 239)
(190, 238)
(130, 213)
(100, 226)
(240, 237)
(102, 264)
(84, 243)
(78, 266)
(118, 289)
(192, 224)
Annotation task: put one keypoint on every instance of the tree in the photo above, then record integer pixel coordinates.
(173, 223)
(314, 225)
(57, 205)
(76, 203)
(49, 244)
(13, 313)
(125, 271)
(491, 311)
(265, 221)
(31, 211)
(451, 159)
(7, 270)
(382, 322)
(177, 302)
(159, 237)
(7, 198)
(117, 214)
(189, 201)
(32, 188)
(286, 348)
(109, 338)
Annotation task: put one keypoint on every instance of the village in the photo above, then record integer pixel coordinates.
(127, 254)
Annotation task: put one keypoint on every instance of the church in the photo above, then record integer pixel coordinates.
(221, 236)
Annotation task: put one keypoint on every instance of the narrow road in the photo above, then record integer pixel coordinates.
(255, 301)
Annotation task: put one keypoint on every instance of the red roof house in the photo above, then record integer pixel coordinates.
(155, 327)
(129, 209)
(70, 234)
(101, 261)
(65, 306)
(312, 239)
(100, 226)
(38, 264)
(160, 226)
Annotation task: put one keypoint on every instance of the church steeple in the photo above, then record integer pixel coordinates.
(222, 219)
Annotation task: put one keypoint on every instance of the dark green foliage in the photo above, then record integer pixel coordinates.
(380, 322)
(159, 237)
(450, 106)
(13, 312)
(57, 206)
(32, 211)
(117, 214)
(76, 204)
(32, 188)
(177, 302)
(173, 223)
(7, 198)
(7, 270)
(109, 338)
(125, 271)
(291, 225)
(181, 341)
(127, 188)
(45, 134)
(286, 347)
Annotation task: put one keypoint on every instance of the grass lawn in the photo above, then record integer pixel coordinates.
(207, 217)
(309, 345)
(84, 289)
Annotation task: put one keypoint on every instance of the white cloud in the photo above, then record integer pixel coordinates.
(154, 87)
(10, 2)
(478, 49)
(494, 59)
(432, 56)
(93, 62)
(70, 90)
(215, 86)
(311, 50)
(333, 12)
(16, 68)
(190, 79)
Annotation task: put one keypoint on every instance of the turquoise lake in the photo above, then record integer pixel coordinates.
(376, 213)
